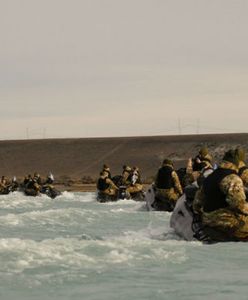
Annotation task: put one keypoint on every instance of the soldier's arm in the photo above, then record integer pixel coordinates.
(208, 157)
(244, 177)
(177, 183)
(232, 186)
(189, 167)
(198, 202)
(108, 180)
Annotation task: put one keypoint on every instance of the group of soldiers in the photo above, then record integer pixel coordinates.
(130, 178)
(170, 183)
(220, 201)
(31, 185)
(7, 186)
(34, 185)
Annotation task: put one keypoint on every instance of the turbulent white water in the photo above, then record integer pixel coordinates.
(76, 248)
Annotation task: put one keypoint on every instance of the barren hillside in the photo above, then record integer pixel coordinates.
(84, 157)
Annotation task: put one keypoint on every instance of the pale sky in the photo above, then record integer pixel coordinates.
(96, 68)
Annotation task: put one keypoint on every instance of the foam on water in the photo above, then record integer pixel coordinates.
(73, 246)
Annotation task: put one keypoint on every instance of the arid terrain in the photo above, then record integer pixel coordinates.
(78, 161)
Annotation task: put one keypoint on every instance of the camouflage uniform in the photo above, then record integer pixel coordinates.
(203, 156)
(111, 187)
(3, 183)
(231, 221)
(135, 181)
(192, 175)
(137, 187)
(107, 169)
(244, 173)
(196, 165)
(173, 193)
(126, 175)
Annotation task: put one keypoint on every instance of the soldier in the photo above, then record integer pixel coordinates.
(135, 181)
(106, 185)
(14, 185)
(3, 181)
(26, 180)
(167, 182)
(221, 201)
(4, 185)
(49, 179)
(107, 169)
(126, 175)
(37, 178)
(202, 156)
(197, 165)
(243, 169)
(32, 188)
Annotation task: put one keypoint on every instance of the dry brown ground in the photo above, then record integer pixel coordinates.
(78, 158)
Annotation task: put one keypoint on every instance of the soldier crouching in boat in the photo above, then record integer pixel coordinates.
(167, 186)
(243, 169)
(221, 202)
(134, 179)
(105, 185)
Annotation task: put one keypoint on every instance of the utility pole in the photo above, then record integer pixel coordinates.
(44, 133)
(197, 126)
(27, 133)
(179, 126)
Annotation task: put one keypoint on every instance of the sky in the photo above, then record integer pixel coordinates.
(101, 68)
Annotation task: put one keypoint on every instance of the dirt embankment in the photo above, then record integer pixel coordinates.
(74, 161)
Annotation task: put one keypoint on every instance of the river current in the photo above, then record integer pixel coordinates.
(73, 247)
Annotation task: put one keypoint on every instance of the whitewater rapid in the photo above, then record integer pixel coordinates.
(73, 247)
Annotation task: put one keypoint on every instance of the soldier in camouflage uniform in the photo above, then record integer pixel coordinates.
(4, 184)
(167, 182)
(221, 202)
(126, 175)
(203, 156)
(107, 169)
(135, 181)
(243, 169)
(106, 185)
(196, 165)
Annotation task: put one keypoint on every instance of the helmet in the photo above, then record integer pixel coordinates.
(231, 156)
(203, 151)
(241, 153)
(128, 169)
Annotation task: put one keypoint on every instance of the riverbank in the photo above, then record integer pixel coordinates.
(79, 187)
(80, 160)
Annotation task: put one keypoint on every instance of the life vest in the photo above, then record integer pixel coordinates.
(102, 185)
(31, 184)
(214, 197)
(164, 178)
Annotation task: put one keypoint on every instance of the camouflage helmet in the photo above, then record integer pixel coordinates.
(167, 161)
(203, 151)
(240, 153)
(231, 156)
(105, 167)
(128, 169)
